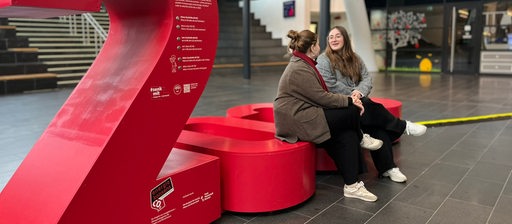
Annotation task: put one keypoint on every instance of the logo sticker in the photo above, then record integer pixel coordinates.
(159, 193)
(177, 89)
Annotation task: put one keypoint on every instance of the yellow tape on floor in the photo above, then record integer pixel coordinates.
(466, 119)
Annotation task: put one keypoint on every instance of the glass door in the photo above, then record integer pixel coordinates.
(462, 38)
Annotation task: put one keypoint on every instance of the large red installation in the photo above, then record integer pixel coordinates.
(106, 156)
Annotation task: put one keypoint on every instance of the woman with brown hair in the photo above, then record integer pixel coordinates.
(304, 110)
(344, 72)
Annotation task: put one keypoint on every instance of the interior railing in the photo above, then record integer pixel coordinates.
(87, 26)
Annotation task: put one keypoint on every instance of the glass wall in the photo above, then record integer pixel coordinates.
(496, 52)
(417, 35)
(497, 25)
(407, 35)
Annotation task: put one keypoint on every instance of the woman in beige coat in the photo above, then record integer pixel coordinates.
(304, 110)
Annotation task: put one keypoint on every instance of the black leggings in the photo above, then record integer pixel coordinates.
(344, 145)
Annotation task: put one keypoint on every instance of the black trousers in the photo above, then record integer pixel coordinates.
(344, 145)
(378, 122)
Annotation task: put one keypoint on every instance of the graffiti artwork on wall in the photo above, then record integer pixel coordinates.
(405, 28)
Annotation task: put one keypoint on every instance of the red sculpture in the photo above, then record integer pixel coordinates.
(101, 159)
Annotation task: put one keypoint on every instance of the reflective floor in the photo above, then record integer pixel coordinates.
(457, 173)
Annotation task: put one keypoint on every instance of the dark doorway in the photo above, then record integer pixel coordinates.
(462, 37)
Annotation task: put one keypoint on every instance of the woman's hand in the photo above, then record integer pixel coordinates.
(356, 94)
(357, 102)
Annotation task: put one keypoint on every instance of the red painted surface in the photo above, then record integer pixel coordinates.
(259, 173)
(103, 153)
(393, 106)
(254, 111)
(195, 197)
(264, 112)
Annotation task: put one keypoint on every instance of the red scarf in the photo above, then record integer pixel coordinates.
(312, 64)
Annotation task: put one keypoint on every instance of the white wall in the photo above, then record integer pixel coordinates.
(270, 13)
(361, 36)
(336, 6)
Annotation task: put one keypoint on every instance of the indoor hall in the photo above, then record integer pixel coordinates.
(457, 173)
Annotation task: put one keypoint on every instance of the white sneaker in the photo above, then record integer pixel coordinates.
(370, 143)
(415, 129)
(395, 175)
(358, 191)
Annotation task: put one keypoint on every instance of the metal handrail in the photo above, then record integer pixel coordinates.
(97, 37)
(97, 27)
(98, 31)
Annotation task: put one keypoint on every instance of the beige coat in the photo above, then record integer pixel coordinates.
(298, 107)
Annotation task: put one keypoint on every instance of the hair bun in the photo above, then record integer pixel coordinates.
(293, 34)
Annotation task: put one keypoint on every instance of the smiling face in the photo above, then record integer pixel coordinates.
(335, 39)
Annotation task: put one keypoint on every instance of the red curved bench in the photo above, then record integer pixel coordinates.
(264, 112)
(259, 173)
(393, 106)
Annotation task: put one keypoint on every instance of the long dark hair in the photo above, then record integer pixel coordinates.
(345, 60)
(301, 41)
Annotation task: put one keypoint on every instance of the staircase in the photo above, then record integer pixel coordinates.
(267, 54)
(15, 55)
(64, 52)
(21, 69)
(60, 48)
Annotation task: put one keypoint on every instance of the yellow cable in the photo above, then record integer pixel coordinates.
(466, 119)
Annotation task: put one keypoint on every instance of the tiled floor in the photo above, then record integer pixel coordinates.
(459, 173)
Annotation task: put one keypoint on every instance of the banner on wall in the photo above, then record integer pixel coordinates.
(289, 9)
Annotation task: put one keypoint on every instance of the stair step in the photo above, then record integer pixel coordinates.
(233, 51)
(240, 29)
(59, 25)
(31, 29)
(260, 64)
(63, 83)
(254, 44)
(56, 47)
(236, 22)
(254, 59)
(16, 42)
(100, 14)
(65, 56)
(24, 49)
(55, 39)
(50, 45)
(100, 17)
(70, 68)
(39, 25)
(23, 67)
(67, 50)
(46, 20)
(239, 36)
(29, 34)
(7, 27)
(71, 75)
(68, 62)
